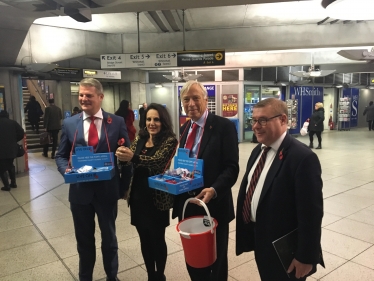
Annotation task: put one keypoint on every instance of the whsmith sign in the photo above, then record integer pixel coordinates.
(164, 59)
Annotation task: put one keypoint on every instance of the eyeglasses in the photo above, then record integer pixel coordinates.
(263, 121)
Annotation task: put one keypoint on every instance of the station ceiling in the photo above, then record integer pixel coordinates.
(166, 17)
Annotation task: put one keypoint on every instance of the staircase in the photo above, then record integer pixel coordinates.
(33, 140)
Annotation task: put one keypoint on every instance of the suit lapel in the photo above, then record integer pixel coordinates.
(251, 161)
(275, 166)
(79, 139)
(208, 128)
(184, 132)
(105, 128)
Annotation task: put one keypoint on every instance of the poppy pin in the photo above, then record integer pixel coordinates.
(109, 120)
(121, 142)
(281, 155)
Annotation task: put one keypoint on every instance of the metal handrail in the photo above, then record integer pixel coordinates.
(41, 98)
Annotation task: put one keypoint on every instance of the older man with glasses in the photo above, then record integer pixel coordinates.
(281, 191)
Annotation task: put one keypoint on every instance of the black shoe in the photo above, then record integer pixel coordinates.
(13, 185)
(319, 147)
(112, 279)
(311, 145)
(45, 154)
(5, 188)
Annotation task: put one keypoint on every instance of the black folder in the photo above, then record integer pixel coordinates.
(285, 248)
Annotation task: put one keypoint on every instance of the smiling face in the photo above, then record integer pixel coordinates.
(273, 129)
(194, 102)
(153, 122)
(90, 99)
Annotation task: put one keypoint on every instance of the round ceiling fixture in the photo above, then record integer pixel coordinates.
(349, 9)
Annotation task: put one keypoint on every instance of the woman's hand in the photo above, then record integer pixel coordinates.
(124, 154)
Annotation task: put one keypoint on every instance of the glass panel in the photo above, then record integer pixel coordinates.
(251, 97)
(270, 92)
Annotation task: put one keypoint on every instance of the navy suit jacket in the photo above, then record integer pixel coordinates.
(220, 152)
(105, 191)
(291, 198)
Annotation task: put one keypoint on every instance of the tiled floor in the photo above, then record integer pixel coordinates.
(37, 240)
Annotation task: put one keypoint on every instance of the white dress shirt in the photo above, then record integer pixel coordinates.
(199, 133)
(87, 123)
(260, 184)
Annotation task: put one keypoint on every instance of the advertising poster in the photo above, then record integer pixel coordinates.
(306, 98)
(353, 95)
(2, 95)
(230, 105)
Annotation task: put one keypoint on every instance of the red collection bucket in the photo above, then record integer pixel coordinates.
(198, 236)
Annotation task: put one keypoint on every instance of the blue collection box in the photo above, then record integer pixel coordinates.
(182, 160)
(102, 162)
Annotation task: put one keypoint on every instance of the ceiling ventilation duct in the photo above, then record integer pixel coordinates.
(349, 9)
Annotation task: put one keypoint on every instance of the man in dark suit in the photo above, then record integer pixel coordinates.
(142, 115)
(100, 197)
(52, 124)
(12, 132)
(215, 142)
(281, 191)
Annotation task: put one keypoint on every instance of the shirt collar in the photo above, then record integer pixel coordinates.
(275, 145)
(201, 121)
(98, 114)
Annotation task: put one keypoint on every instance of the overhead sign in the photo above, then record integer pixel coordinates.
(113, 61)
(201, 58)
(61, 72)
(105, 74)
(163, 59)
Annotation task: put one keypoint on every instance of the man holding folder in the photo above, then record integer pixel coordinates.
(281, 191)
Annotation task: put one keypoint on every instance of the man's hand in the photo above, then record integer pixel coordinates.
(206, 194)
(301, 269)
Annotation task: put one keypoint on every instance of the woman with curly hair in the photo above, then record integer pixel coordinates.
(150, 154)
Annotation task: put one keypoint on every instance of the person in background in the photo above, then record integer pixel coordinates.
(213, 139)
(128, 115)
(76, 110)
(102, 131)
(8, 149)
(150, 155)
(52, 124)
(281, 191)
(316, 124)
(369, 112)
(142, 115)
(34, 113)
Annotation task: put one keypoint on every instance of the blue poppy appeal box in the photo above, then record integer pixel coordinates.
(175, 184)
(102, 163)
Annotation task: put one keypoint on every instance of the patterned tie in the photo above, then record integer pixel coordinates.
(93, 136)
(252, 186)
(191, 137)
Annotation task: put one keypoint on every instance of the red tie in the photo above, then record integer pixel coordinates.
(252, 186)
(191, 137)
(93, 136)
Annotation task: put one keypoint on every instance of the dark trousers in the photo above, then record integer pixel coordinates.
(54, 135)
(154, 251)
(6, 165)
(35, 126)
(371, 125)
(84, 225)
(318, 133)
(219, 270)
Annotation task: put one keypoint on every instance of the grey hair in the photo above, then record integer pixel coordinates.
(189, 84)
(278, 106)
(92, 82)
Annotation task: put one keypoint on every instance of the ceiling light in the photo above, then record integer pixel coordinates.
(158, 86)
(339, 86)
(349, 9)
